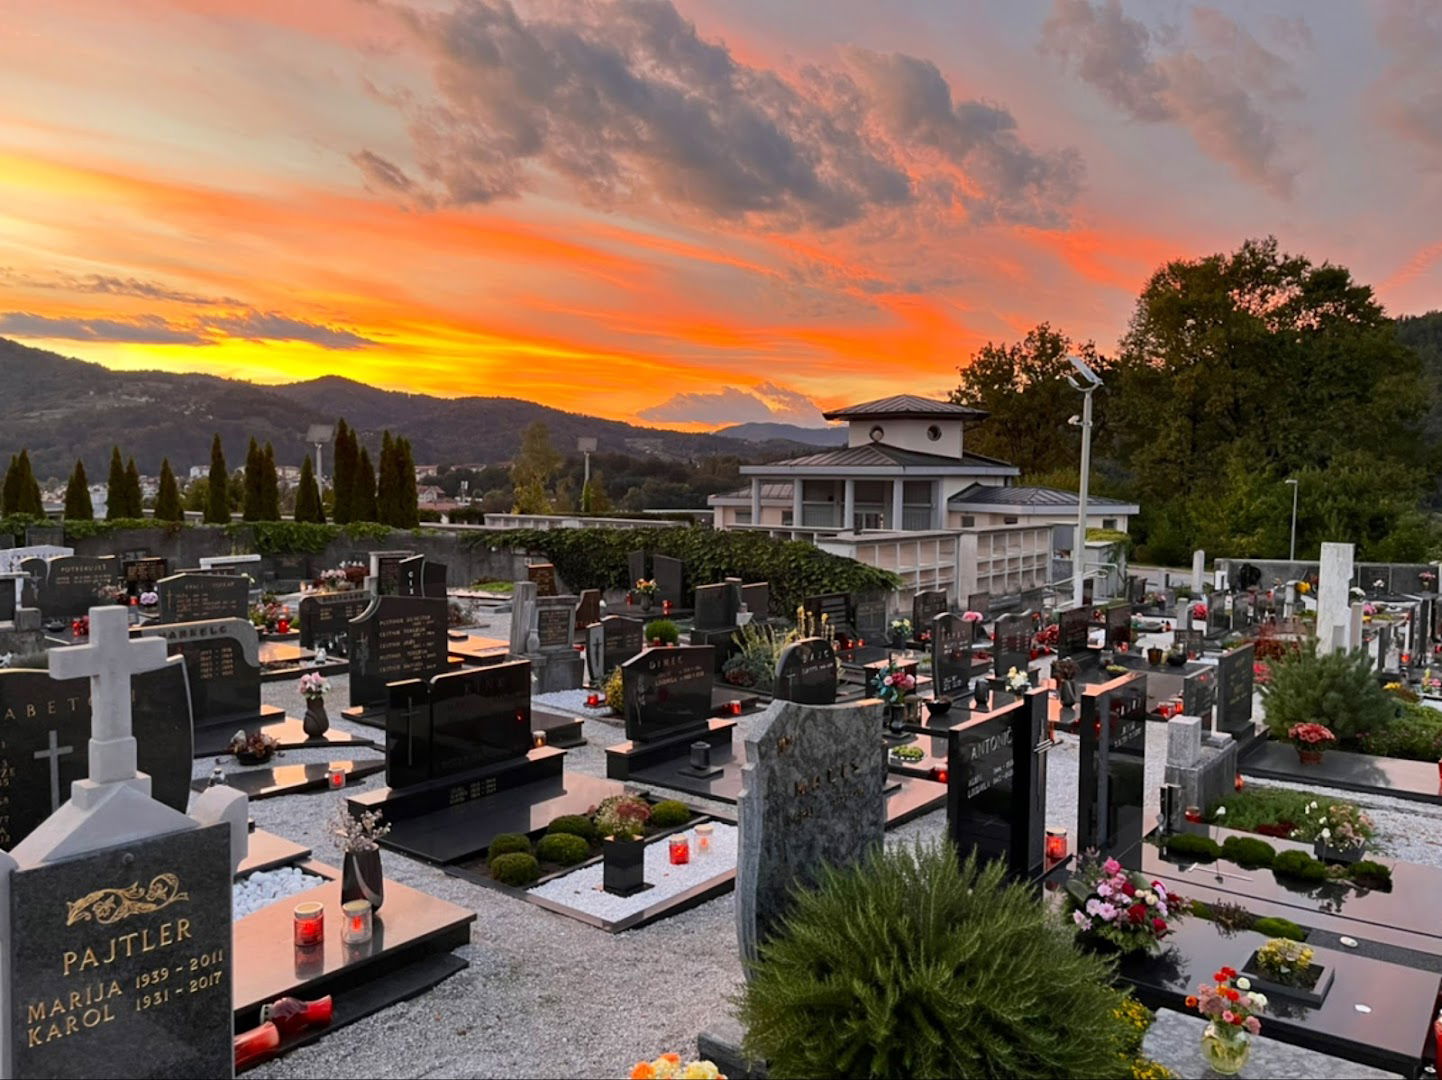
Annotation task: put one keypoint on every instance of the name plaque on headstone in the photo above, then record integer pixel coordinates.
(395, 638)
(121, 961)
(222, 666)
(667, 691)
(926, 606)
(142, 575)
(806, 672)
(544, 575)
(325, 616)
(1012, 647)
(1235, 677)
(72, 584)
(189, 597)
(410, 576)
(554, 626)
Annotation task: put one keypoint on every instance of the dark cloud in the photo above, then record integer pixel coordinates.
(114, 286)
(1216, 80)
(142, 330)
(625, 101)
(766, 402)
(273, 326)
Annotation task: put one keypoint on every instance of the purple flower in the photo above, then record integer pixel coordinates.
(1093, 906)
(1081, 920)
(1104, 889)
(1106, 912)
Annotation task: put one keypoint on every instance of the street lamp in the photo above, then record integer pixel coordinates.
(1292, 551)
(587, 446)
(1090, 380)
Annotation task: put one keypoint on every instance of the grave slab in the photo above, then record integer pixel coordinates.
(286, 730)
(268, 782)
(1175, 1040)
(1371, 773)
(268, 851)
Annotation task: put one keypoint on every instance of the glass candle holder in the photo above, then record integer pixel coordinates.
(538, 738)
(356, 927)
(1193, 814)
(1055, 842)
(680, 849)
(703, 839)
(337, 779)
(309, 923)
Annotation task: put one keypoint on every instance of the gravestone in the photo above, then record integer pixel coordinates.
(555, 622)
(9, 595)
(1199, 692)
(588, 608)
(395, 638)
(411, 576)
(385, 572)
(191, 597)
(1073, 631)
(757, 599)
(668, 573)
(611, 642)
(44, 726)
(143, 574)
(996, 785)
(871, 622)
(325, 617)
(543, 575)
(1219, 615)
(1119, 624)
(433, 579)
(979, 602)
(246, 565)
(1235, 677)
(12, 558)
(812, 795)
(806, 672)
(1190, 641)
(715, 606)
(72, 582)
(925, 606)
(1112, 778)
(292, 569)
(457, 721)
(42, 535)
(523, 615)
(222, 667)
(667, 691)
(951, 639)
(834, 609)
(1012, 645)
(635, 567)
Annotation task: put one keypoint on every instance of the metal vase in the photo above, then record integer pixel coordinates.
(362, 878)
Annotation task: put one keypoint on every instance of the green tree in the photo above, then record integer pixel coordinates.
(388, 493)
(167, 498)
(28, 488)
(251, 506)
(117, 496)
(346, 460)
(10, 499)
(197, 495)
(364, 490)
(308, 506)
(269, 486)
(409, 515)
(134, 500)
(78, 506)
(217, 497)
(594, 499)
(533, 469)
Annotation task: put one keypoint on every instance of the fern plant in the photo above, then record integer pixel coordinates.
(1338, 690)
(913, 964)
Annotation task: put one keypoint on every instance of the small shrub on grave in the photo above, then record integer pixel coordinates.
(573, 825)
(508, 844)
(1203, 848)
(1229, 918)
(669, 813)
(1284, 813)
(516, 868)
(563, 849)
(1299, 865)
(1338, 690)
(615, 691)
(1248, 852)
(663, 630)
(1415, 733)
(1370, 874)
(977, 965)
(622, 816)
(1275, 927)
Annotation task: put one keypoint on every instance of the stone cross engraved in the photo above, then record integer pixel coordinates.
(55, 753)
(110, 659)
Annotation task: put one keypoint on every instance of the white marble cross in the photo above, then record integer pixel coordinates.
(110, 659)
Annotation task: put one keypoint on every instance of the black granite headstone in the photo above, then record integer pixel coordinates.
(1199, 692)
(288, 568)
(457, 721)
(951, 639)
(668, 573)
(611, 642)
(324, 617)
(996, 785)
(757, 598)
(45, 735)
(668, 691)
(433, 579)
(980, 602)
(1235, 676)
(1191, 641)
(871, 622)
(395, 638)
(191, 597)
(1073, 628)
(806, 672)
(714, 606)
(141, 575)
(72, 583)
(544, 575)
(410, 576)
(1012, 645)
(408, 733)
(1219, 615)
(1112, 784)
(1119, 624)
(635, 567)
(7, 599)
(588, 608)
(222, 666)
(926, 606)
(121, 961)
(45, 535)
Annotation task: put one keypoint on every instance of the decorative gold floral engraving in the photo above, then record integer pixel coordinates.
(112, 905)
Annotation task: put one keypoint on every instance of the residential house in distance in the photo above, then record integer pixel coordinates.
(906, 495)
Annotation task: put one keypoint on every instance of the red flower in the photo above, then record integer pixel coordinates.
(1129, 888)
(1191, 1001)
(1137, 913)
(1229, 972)
(1219, 976)
(1159, 925)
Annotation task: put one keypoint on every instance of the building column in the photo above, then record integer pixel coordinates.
(898, 496)
(938, 508)
(796, 502)
(756, 500)
(848, 507)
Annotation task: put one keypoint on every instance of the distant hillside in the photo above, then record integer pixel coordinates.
(762, 431)
(61, 408)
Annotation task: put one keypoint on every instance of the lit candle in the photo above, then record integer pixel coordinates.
(538, 738)
(356, 929)
(703, 839)
(1193, 814)
(337, 779)
(1238, 782)
(736, 708)
(1055, 842)
(309, 923)
(680, 850)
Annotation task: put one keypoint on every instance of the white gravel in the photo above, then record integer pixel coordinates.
(265, 887)
(582, 888)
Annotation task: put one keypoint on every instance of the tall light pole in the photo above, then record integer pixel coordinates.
(1292, 551)
(1090, 380)
(587, 446)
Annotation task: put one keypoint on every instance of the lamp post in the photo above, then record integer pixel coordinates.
(1292, 551)
(587, 446)
(1090, 380)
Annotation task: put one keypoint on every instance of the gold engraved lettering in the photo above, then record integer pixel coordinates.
(111, 905)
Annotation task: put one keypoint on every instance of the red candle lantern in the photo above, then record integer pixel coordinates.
(593, 700)
(680, 849)
(939, 774)
(1239, 782)
(309, 924)
(665, 607)
(1193, 814)
(282, 626)
(1055, 843)
(337, 779)
(735, 708)
(252, 1045)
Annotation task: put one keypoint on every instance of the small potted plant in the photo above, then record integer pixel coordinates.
(1284, 967)
(645, 591)
(314, 687)
(358, 836)
(1177, 655)
(900, 633)
(1340, 832)
(112, 594)
(1230, 1006)
(253, 748)
(907, 755)
(621, 821)
(1311, 741)
(149, 601)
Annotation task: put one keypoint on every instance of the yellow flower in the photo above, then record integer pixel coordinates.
(700, 1070)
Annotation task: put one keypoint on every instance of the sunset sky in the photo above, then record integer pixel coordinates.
(688, 213)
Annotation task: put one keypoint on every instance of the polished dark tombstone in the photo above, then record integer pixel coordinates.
(588, 608)
(143, 574)
(45, 730)
(925, 606)
(292, 569)
(191, 597)
(715, 606)
(835, 609)
(979, 602)
(120, 961)
(1235, 678)
(7, 599)
(611, 642)
(1012, 645)
(668, 573)
(325, 617)
(871, 621)
(1191, 641)
(667, 692)
(951, 639)
(479, 717)
(996, 784)
(72, 583)
(1199, 690)
(1118, 624)
(543, 575)
(635, 567)
(411, 576)
(385, 571)
(394, 638)
(1073, 631)
(757, 599)
(806, 672)
(408, 733)
(1112, 774)
(1219, 615)
(433, 579)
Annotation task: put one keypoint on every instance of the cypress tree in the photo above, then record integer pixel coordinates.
(251, 507)
(269, 486)
(10, 497)
(29, 488)
(308, 506)
(78, 506)
(346, 461)
(167, 499)
(217, 496)
(116, 492)
(386, 493)
(134, 501)
(410, 514)
(364, 489)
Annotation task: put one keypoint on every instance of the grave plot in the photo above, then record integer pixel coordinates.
(394, 638)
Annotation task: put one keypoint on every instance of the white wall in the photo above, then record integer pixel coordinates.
(910, 435)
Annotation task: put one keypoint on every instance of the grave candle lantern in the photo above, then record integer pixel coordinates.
(309, 923)
(356, 929)
(538, 739)
(680, 850)
(337, 779)
(282, 626)
(735, 707)
(665, 607)
(1193, 814)
(1055, 842)
(703, 839)
(252, 1045)
(1239, 782)
(593, 700)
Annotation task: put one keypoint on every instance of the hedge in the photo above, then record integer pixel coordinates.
(597, 559)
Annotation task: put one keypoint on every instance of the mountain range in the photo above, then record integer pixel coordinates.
(61, 408)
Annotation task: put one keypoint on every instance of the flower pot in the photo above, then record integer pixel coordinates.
(1311, 991)
(646, 602)
(898, 641)
(1176, 659)
(1154, 657)
(362, 879)
(938, 706)
(254, 759)
(315, 722)
(1226, 1048)
(623, 866)
(1309, 757)
(1066, 692)
(1327, 853)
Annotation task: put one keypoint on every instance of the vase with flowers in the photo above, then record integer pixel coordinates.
(645, 591)
(1230, 1006)
(358, 836)
(892, 686)
(1120, 909)
(1311, 741)
(899, 633)
(149, 601)
(314, 687)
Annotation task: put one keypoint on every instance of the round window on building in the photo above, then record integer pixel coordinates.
(933, 433)
(878, 433)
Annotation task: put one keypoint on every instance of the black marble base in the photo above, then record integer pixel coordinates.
(625, 760)
(1397, 777)
(286, 730)
(562, 729)
(267, 783)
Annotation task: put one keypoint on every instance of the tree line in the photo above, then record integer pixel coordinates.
(359, 492)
